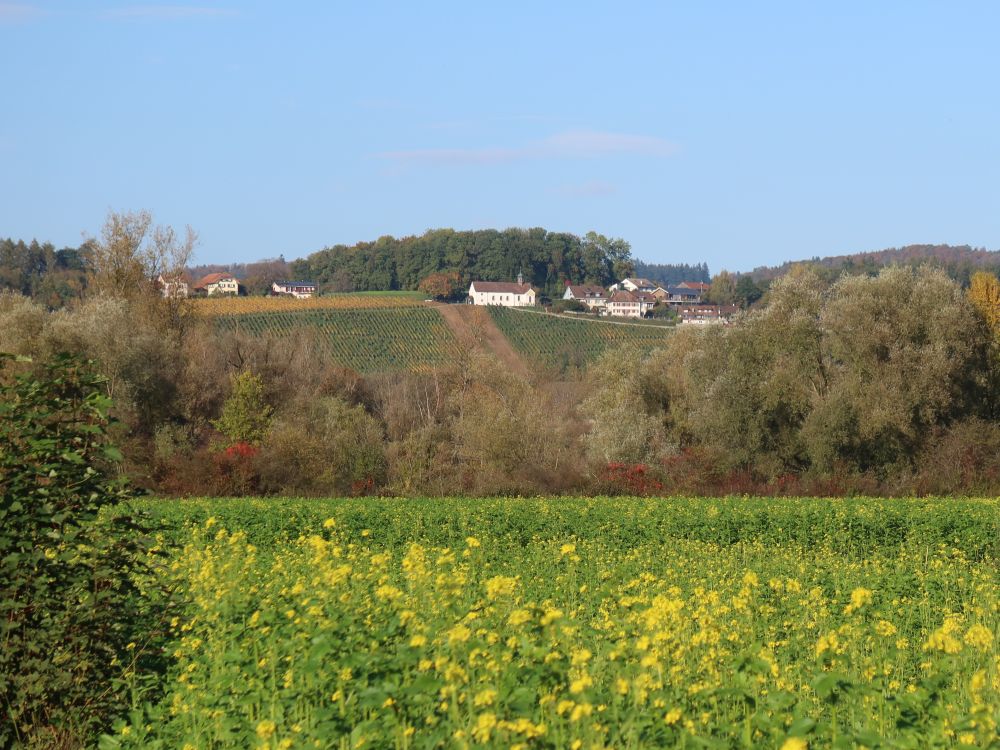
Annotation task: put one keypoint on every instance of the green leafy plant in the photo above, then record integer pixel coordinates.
(69, 612)
(246, 416)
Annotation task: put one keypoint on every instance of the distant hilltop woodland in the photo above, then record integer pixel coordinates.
(548, 260)
(959, 261)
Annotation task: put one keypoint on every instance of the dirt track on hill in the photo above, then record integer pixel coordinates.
(473, 327)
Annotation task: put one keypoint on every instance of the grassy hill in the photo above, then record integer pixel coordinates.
(567, 343)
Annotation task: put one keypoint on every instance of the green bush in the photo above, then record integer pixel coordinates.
(326, 446)
(246, 416)
(69, 607)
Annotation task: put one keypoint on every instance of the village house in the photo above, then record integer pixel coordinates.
(594, 297)
(630, 304)
(173, 286)
(707, 314)
(218, 283)
(502, 293)
(634, 285)
(299, 289)
(680, 295)
(701, 286)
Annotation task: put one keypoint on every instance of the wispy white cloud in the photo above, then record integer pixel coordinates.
(594, 143)
(588, 189)
(167, 12)
(19, 12)
(572, 144)
(473, 124)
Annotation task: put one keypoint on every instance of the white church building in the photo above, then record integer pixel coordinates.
(502, 293)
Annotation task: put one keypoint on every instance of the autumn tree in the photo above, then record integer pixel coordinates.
(442, 286)
(132, 252)
(260, 276)
(903, 355)
(723, 289)
(626, 426)
(984, 293)
(324, 446)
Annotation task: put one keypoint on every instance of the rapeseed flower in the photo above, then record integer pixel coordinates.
(265, 729)
(485, 724)
(979, 637)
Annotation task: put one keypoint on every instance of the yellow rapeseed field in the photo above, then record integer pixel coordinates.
(517, 637)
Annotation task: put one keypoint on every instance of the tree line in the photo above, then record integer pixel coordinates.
(672, 274)
(547, 260)
(39, 270)
(884, 382)
(960, 262)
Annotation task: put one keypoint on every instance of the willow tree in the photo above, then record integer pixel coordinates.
(132, 253)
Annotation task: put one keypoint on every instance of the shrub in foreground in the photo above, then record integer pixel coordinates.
(69, 613)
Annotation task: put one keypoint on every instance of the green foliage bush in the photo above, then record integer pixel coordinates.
(246, 416)
(69, 607)
(857, 375)
(325, 446)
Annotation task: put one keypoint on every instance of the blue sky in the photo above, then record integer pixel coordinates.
(738, 134)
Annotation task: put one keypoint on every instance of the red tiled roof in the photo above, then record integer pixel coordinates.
(582, 292)
(213, 278)
(623, 295)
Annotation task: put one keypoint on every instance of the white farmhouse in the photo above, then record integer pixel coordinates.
(299, 289)
(707, 314)
(502, 293)
(630, 304)
(173, 286)
(594, 297)
(634, 285)
(218, 283)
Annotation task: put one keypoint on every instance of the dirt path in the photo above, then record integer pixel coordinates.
(474, 327)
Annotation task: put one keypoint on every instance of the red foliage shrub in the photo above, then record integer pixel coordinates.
(241, 450)
(236, 470)
(363, 487)
(629, 479)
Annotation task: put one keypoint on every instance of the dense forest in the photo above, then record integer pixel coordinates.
(548, 260)
(958, 261)
(38, 270)
(671, 274)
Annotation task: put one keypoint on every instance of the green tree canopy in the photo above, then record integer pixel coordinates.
(246, 415)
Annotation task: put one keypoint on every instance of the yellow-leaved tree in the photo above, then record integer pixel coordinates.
(984, 292)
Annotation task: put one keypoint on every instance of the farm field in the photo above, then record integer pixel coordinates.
(219, 305)
(370, 339)
(577, 623)
(565, 343)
